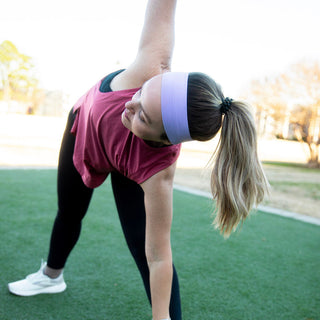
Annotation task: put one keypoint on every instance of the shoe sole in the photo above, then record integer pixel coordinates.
(46, 290)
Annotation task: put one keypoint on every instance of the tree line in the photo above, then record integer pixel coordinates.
(287, 105)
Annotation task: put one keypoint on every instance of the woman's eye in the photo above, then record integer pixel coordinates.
(141, 117)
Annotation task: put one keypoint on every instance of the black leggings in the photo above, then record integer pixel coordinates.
(73, 201)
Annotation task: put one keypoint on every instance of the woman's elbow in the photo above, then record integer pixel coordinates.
(155, 256)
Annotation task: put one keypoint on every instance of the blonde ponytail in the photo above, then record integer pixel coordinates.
(238, 182)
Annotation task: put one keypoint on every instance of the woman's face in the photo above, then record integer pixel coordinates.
(142, 114)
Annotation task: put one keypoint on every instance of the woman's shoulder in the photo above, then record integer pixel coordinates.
(134, 77)
(105, 85)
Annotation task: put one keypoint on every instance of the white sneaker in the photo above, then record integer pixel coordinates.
(37, 283)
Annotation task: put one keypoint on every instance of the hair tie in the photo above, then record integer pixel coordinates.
(225, 105)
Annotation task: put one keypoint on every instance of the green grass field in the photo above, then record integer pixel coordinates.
(268, 270)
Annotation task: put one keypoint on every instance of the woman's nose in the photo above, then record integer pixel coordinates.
(131, 106)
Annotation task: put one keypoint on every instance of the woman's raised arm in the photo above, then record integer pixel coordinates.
(157, 38)
(155, 46)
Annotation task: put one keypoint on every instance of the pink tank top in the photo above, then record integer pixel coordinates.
(104, 145)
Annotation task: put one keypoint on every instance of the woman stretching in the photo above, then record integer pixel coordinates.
(131, 125)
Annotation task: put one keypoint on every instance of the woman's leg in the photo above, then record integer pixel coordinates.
(129, 199)
(73, 201)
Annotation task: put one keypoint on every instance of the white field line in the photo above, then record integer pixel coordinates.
(279, 212)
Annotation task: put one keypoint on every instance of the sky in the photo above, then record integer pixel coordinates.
(75, 43)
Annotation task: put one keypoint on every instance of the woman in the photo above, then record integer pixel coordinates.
(131, 125)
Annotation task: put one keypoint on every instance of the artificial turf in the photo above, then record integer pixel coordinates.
(270, 269)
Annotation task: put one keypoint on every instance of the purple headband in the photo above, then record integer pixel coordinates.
(174, 89)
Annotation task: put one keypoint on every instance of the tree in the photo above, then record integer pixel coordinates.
(303, 83)
(16, 72)
(270, 106)
(292, 101)
(305, 122)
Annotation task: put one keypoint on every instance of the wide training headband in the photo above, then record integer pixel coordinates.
(174, 89)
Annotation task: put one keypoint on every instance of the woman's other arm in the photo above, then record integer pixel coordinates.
(158, 203)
